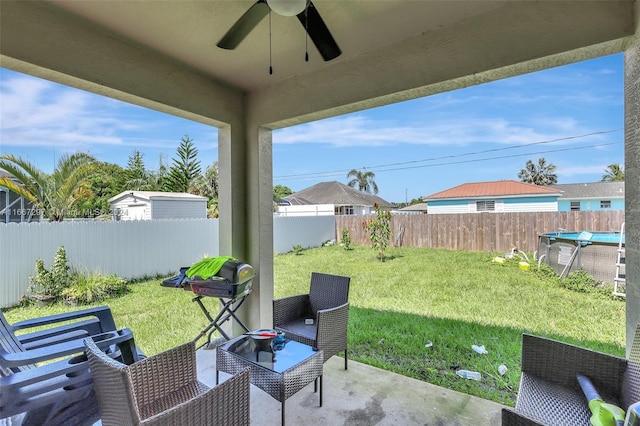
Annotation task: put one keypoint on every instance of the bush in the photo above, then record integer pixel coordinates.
(50, 284)
(93, 287)
(74, 287)
(297, 249)
(346, 239)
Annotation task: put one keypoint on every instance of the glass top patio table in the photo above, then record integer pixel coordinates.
(279, 373)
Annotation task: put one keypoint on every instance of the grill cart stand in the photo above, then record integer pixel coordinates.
(227, 311)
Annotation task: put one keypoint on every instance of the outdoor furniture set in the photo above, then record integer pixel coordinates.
(102, 367)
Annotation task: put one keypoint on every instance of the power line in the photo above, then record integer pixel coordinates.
(383, 166)
(340, 173)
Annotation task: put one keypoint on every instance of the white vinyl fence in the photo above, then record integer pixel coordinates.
(130, 249)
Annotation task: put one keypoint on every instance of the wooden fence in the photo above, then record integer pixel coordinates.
(489, 232)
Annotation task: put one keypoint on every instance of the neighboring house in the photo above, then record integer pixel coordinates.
(497, 196)
(590, 196)
(330, 198)
(418, 208)
(146, 205)
(13, 207)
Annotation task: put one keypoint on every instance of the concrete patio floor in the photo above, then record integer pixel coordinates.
(364, 395)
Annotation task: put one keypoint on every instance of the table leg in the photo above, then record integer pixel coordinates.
(321, 390)
(282, 420)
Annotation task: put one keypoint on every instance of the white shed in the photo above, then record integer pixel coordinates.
(146, 205)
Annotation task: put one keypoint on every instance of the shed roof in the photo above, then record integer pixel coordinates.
(501, 188)
(591, 190)
(338, 194)
(157, 195)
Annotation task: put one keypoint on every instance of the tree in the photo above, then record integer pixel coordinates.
(281, 191)
(379, 230)
(206, 185)
(185, 169)
(539, 174)
(365, 181)
(106, 181)
(613, 173)
(136, 173)
(53, 194)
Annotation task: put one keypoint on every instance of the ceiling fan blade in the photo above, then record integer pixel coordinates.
(244, 25)
(319, 33)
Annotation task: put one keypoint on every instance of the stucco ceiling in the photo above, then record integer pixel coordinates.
(187, 31)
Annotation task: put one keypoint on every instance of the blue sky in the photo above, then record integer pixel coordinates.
(572, 116)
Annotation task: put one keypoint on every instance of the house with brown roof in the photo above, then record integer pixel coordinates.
(496, 196)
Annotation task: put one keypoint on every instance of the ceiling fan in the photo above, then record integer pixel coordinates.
(307, 14)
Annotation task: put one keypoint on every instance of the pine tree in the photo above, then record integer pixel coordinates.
(185, 169)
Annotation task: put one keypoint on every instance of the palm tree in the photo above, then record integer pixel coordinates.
(365, 181)
(539, 174)
(53, 194)
(613, 173)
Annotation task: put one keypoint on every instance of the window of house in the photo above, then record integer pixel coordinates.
(486, 206)
(575, 206)
(343, 210)
(605, 204)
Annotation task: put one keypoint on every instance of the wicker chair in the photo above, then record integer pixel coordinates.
(44, 374)
(327, 304)
(164, 390)
(549, 393)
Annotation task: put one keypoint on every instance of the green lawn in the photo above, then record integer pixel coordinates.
(449, 298)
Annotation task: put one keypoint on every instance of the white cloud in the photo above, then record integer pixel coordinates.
(37, 113)
(357, 130)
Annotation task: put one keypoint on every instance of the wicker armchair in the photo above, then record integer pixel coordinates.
(164, 390)
(549, 392)
(44, 374)
(327, 304)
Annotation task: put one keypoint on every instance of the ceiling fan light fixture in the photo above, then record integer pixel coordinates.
(288, 7)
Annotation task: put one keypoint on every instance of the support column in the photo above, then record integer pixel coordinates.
(246, 213)
(632, 181)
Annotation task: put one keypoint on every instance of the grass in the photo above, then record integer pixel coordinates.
(452, 299)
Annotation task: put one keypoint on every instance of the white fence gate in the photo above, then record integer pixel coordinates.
(130, 249)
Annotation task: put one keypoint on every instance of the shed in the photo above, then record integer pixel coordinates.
(147, 205)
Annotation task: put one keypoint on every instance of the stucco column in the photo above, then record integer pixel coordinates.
(632, 180)
(246, 213)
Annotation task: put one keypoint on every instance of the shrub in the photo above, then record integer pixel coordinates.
(297, 249)
(346, 239)
(93, 287)
(50, 284)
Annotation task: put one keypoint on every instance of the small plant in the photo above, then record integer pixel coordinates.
(93, 287)
(346, 239)
(581, 282)
(49, 285)
(379, 231)
(297, 249)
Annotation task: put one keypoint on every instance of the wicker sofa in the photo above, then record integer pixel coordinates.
(549, 393)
